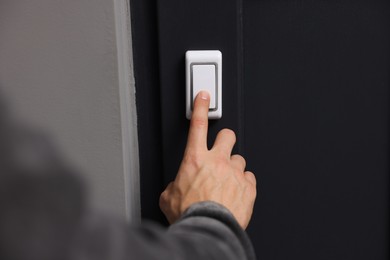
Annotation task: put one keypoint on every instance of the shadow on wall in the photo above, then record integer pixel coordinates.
(41, 199)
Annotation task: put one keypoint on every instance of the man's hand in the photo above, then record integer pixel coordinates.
(210, 175)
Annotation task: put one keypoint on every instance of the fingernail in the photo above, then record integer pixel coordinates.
(204, 95)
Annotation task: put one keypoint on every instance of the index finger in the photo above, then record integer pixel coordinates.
(197, 136)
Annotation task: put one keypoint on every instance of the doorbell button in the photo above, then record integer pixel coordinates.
(204, 78)
(204, 72)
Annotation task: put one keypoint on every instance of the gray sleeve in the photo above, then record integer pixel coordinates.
(43, 216)
(206, 231)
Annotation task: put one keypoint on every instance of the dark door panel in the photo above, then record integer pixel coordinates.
(316, 81)
(306, 89)
(196, 25)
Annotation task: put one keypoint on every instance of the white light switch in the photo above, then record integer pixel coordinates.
(204, 72)
(204, 78)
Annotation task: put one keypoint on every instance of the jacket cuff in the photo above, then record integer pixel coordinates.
(219, 212)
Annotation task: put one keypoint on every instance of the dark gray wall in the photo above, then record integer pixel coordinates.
(65, 68)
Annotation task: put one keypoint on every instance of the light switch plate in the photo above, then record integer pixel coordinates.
(204, 72)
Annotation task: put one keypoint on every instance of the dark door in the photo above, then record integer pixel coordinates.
(305, 88)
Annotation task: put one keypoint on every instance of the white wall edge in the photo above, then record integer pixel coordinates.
(128, 110)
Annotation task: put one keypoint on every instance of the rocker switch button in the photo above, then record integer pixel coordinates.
(204, 78)
(204, 72)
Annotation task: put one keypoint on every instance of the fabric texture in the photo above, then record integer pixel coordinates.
(206, 231)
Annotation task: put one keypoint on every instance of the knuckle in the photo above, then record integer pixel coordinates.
(241, 159)
(163, 199)
(251, 190)
(228, 133)
(166, 197)
(198, 121)
(240, 162)
(251, 178)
